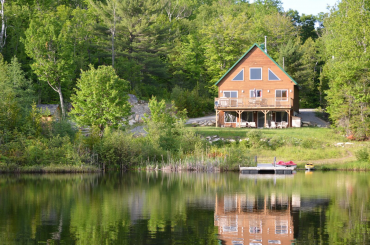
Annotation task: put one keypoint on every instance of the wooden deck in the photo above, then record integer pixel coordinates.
(254, 103)
(267, 168)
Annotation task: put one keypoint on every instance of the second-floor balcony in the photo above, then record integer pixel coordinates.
(250, 103)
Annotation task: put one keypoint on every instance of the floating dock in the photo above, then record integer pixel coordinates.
(267, 168)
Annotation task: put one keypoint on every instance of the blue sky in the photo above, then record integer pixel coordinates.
(308, 6)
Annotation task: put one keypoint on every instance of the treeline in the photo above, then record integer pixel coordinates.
(178, 49)
(156, 45)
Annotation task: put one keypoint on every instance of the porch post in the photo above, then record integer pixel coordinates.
(288, 111)
(239, 113)
(265, 112)
(217, 112)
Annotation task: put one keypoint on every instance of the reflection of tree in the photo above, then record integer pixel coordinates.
(145, 208)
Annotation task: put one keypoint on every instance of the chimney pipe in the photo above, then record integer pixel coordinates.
(266, 44)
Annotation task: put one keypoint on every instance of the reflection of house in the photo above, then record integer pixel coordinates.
(256, 91)
(243, 219)
(49, 111)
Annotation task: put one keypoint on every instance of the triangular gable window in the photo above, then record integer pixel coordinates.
(272, 76)
(239, 77)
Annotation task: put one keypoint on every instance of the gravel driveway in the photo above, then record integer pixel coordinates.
(309, 115)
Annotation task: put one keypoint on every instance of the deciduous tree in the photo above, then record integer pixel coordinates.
(101, 98)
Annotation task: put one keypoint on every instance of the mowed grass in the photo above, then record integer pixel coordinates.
(300, 145)
(326, 134)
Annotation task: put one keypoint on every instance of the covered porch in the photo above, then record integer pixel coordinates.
(254, 118)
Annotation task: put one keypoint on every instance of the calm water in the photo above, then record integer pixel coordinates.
(185, 208)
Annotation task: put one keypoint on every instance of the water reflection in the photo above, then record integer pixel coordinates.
(185, 208)
(250, 219)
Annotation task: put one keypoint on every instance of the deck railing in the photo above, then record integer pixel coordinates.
(252, 103)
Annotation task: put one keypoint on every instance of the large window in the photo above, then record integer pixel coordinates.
(239, 77)
(255, 227)
(281, 116)
(255, 93)
(231, 94)
(272, 76)
(281, 227)
(230, 117)
(247, 116)
(281, 95)
(255, 73)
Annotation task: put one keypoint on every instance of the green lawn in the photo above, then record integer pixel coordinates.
(326, 134)
(300, 145)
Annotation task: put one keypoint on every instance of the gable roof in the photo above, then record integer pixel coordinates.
(256, 45)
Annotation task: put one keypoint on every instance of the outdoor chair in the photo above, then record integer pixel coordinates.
(251, 124)
(244, 124)
(224, 102)
(273, 124)
(284, 124)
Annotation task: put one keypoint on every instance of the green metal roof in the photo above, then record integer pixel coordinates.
(255, 45)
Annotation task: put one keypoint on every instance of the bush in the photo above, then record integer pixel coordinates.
(362, 155)
(118, 149)
(276, 142)
(256, 139)
(195, 104)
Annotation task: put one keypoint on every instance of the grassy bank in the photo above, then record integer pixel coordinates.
(300, 145)
(53, 168)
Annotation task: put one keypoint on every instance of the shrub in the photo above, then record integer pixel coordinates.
(362, 155)
(276, 142)
(195, 104)
(256, 139)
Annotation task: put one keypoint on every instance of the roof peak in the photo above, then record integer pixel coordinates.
(242, 57)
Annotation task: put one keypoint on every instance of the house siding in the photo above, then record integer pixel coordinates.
(256, 58)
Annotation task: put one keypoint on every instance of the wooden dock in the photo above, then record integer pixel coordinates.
(267, 168)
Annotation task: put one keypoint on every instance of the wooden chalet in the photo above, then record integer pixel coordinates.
(256, 92)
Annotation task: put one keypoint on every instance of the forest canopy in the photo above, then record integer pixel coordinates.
(180, 48)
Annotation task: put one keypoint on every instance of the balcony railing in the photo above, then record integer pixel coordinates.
(252, 103)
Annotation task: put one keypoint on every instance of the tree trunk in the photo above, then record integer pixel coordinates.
(3, 26)
(113, 33)
(61, 101)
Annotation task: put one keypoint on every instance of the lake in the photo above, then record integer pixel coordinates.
(185, 208)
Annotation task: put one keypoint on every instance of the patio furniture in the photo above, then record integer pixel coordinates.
(264, 103)
(284, 124)
(273, 124)
(224, 102)
(278, 125)
(244, 124)
(251, 124)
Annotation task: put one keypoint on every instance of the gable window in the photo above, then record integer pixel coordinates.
(255, 73)
(255, 93)
(240, 76)
(231, 94)
(272, 76)
(281, 94)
